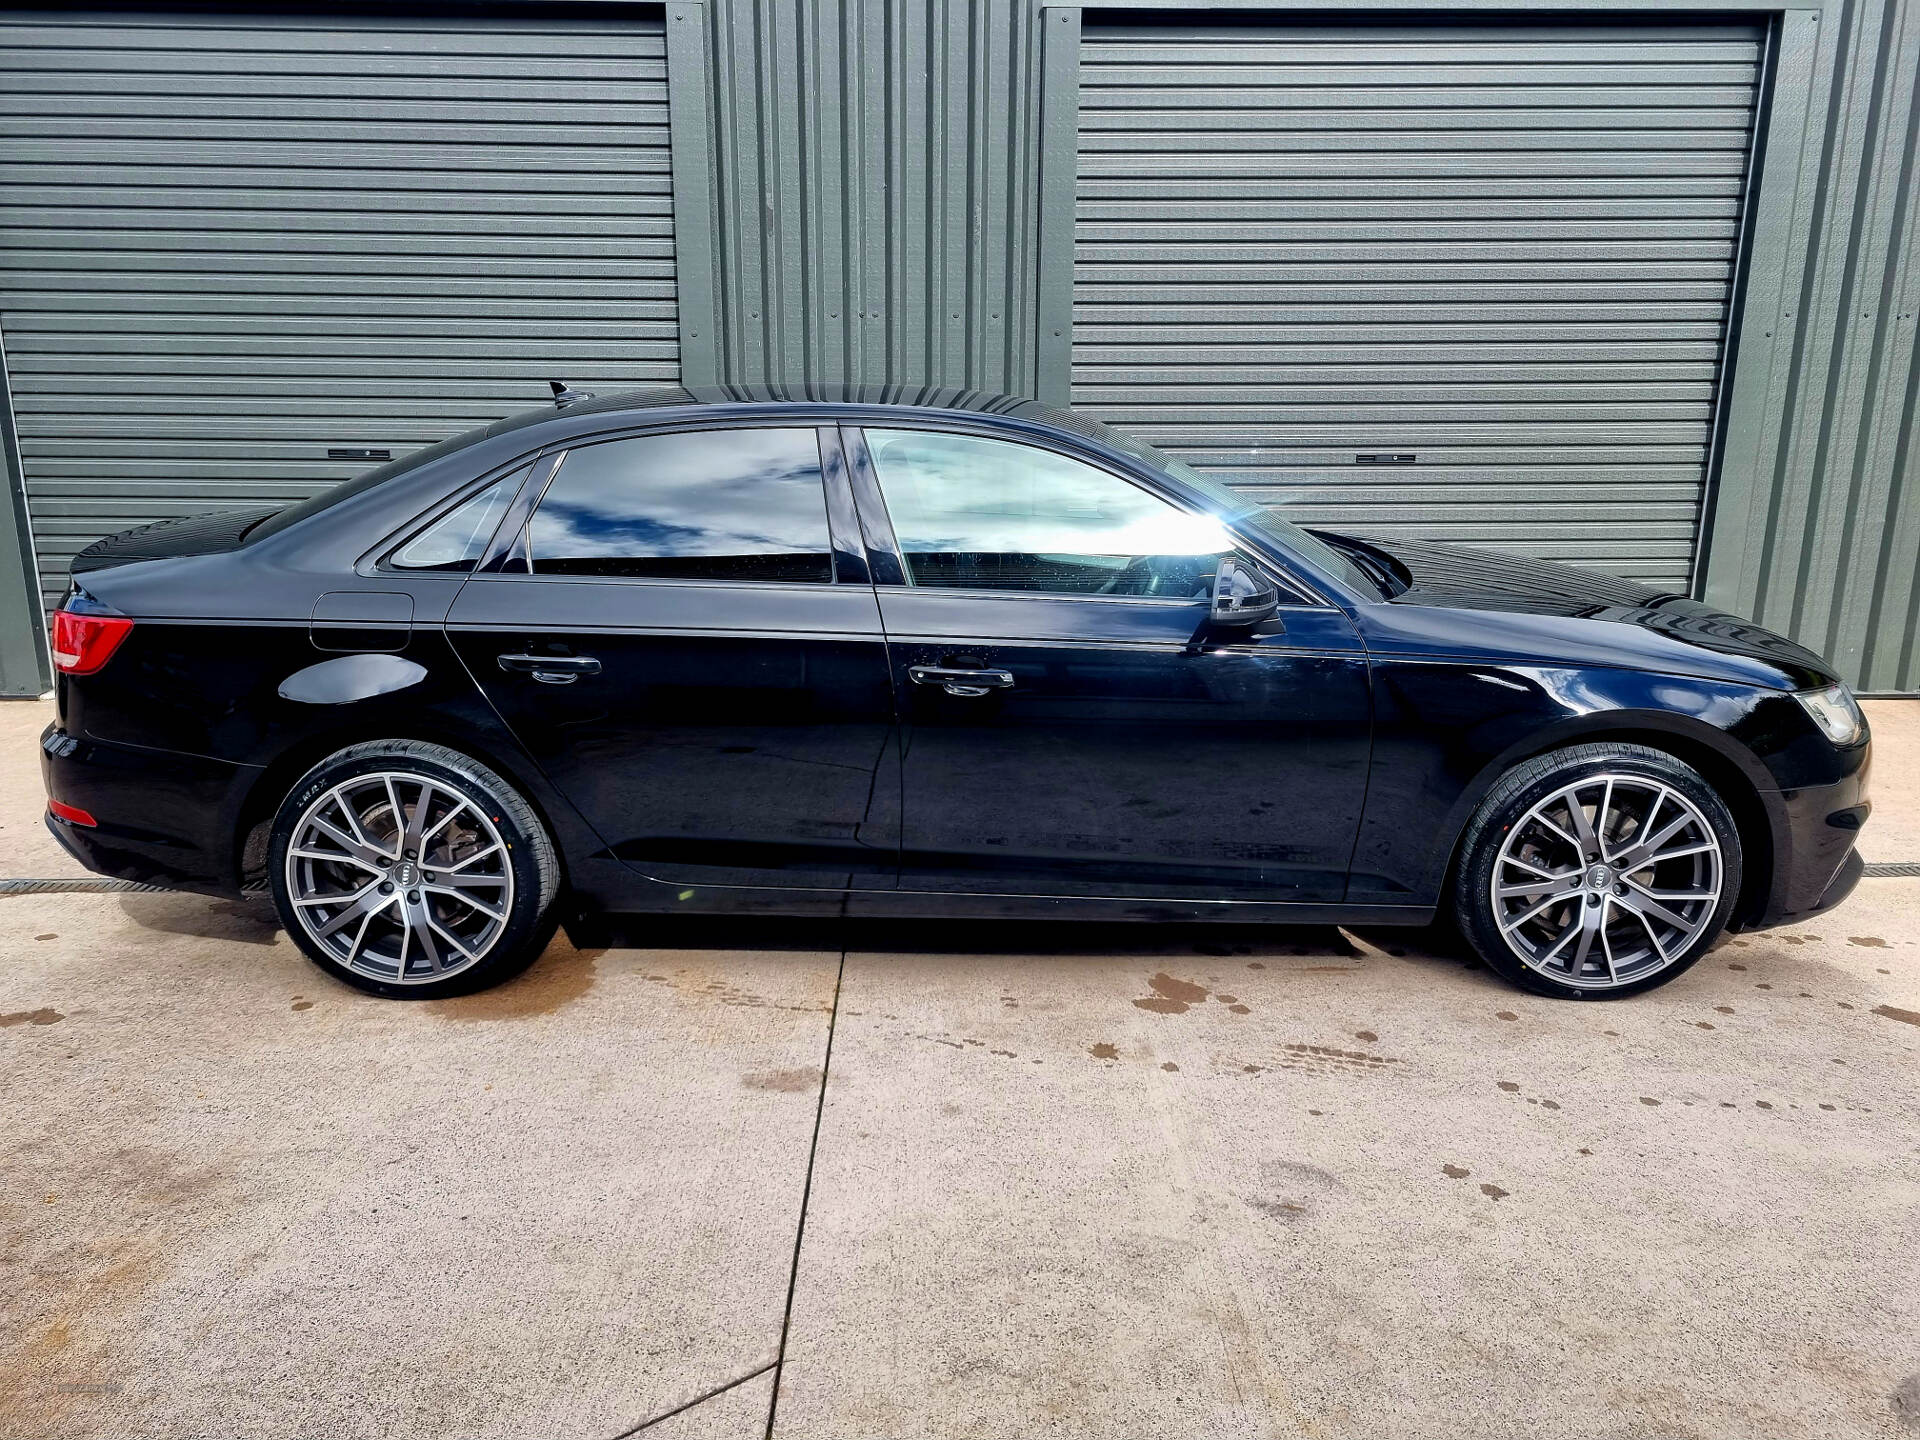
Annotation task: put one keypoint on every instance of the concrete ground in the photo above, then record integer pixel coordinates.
(1105, 1183)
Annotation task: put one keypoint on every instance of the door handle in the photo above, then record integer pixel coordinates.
(960, 682)
(552, 669)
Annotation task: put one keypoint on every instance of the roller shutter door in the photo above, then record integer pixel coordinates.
(1504, 251)
(232, 243)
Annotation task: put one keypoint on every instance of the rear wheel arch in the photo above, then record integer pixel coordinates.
(254, 822)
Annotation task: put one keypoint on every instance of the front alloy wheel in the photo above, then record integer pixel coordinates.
(1598, 871)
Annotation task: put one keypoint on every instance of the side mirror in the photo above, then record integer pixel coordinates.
(1242, 596)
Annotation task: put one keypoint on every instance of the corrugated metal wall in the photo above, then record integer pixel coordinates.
(875, 190)
(231, 242)
(1495, 254)
(1829, 551)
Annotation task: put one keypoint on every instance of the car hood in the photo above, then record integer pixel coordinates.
(1457, 577)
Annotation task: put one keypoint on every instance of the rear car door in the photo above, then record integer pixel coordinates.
(1068, 728)
(675, 637)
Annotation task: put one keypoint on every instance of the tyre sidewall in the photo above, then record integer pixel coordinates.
(528, 927)
(1532, 782)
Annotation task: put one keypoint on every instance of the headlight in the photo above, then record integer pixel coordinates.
(1834, 711)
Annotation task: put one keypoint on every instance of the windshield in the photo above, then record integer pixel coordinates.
(1227, 502)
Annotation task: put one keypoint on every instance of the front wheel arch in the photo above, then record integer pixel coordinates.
(1672, 735)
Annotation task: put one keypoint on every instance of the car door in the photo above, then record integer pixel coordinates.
(1069, 728)
(673, 634)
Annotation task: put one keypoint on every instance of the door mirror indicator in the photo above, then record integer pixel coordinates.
(1242, 596)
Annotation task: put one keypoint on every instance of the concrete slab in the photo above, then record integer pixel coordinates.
(239, 1199)
(1893, 834)
(1264, 1185)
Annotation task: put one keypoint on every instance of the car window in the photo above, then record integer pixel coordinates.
(694, 505)
(457, 540)
(998, 515)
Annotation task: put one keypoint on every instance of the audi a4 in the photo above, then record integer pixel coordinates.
(922, 654)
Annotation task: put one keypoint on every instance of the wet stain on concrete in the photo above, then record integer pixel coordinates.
(1871, 942)
(1294, 1191)
(1455, 1172)
(45, 1015)
(786, 1082)
(1703, 1024)
(1509, 1086)
(1905, 1402)
(557, 978)
(1171, 996)
(1170, 1067)
(1238, 1010)
(1892, 1012)
(50, 935)
(1648, 1100)
(1736, 967)
(1104, 1051)
(300, 1004)
(1366, 1035)
(1723, 1009)
(1505, 1015)
(1494, 1192)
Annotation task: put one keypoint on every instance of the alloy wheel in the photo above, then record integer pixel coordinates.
(1607, 881)
(400, 877)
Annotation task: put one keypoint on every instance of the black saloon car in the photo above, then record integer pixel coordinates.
(832, 653)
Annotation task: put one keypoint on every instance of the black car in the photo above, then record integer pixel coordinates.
(833, 653)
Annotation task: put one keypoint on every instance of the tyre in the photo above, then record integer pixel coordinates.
(1597, 871)
(409, 870)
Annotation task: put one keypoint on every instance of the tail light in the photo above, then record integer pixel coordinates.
(83, 643)
(72, 814)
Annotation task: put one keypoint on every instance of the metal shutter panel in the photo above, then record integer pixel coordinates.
(231, 243)
(1504, 250)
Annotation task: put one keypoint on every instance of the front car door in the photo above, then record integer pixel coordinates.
(1069, 728)
(674, 635)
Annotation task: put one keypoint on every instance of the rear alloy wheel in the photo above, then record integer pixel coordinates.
(1598, 871)
(407, 869)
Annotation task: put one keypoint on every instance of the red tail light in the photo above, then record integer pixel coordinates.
(72, 814)
(83, 643)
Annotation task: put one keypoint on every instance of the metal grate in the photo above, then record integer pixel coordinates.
(64, 887)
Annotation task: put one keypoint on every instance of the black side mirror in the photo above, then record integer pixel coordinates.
(1242, 596)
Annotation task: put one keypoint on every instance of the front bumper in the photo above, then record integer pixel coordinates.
(1815, 864)
(161, 815)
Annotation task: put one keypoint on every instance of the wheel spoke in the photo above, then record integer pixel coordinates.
(354, 849)
(366, 903)
(1534, 869)
(460, 805)
(1642, 903)
(1643, 855)
(448, 936)
(1562, 884)
(477, 855)
(465, 899)
(1514, 922)
(1647, 925)
(425, 929)
(1592, 920)
(1588, 842)
(1564, 834)
(334, 857)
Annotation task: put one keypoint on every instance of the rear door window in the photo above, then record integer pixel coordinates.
(745, 505)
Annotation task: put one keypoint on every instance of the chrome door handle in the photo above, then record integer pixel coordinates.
(552, 669)
(960, 682)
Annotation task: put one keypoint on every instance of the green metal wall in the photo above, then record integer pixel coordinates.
(1827, 548)
(874, 189)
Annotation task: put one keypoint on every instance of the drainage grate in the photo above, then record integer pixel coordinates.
(63, 887)
(1888, 872)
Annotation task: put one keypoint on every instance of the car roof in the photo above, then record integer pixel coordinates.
(803, 397)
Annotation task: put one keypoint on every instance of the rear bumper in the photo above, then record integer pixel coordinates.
(161, 815)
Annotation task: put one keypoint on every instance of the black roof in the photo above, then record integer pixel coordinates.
(681, 397)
